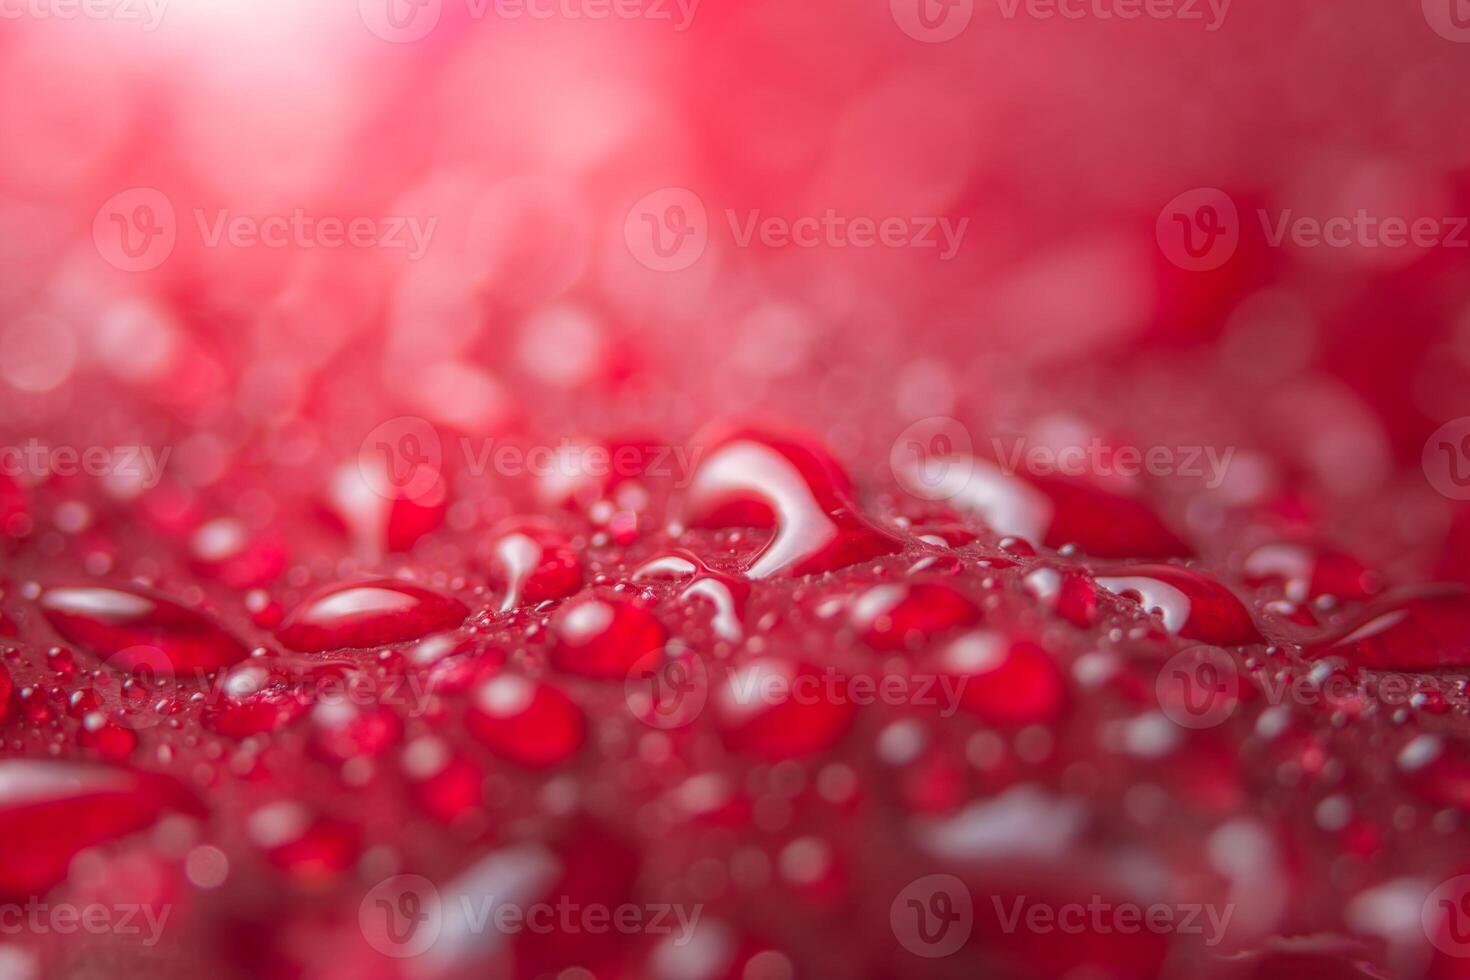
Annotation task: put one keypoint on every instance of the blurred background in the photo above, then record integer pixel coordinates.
(520, 139)
(252, 233)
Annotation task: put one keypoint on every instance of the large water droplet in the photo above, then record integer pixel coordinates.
(1192, 605)
(525, 721)
(603, 636)
(254, 698)
(1004, 681)
(446, 783)
(380, 516)
(1421, 629)
(368, 614)
(132, 627)
(343, 728)
(226, 550)
(775, 708)
(1438, 770)
(1051, 510)
(312, 847)
(532, 562)
(1305, 574)
(903, 615)
(725, 593)
(756, 479)
(50, 811)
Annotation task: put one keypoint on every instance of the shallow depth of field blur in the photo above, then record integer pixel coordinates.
(252, 231)
(523, 142)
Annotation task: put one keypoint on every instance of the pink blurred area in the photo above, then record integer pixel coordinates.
(502, 161)
(523, 141)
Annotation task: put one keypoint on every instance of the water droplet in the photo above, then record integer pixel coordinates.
(446, 783)
(118, 623)
(1191, 605)
(603, 636)
(1004, 681)
(51, 811)
(1438, 770)
(224, 549)
(725, 593)
(532, 562)
(105, 737)
(368, 614)
(343, 729)
(1420, 629)
(1305, 574)
(903, 615)
(253, 699)
(775, 708)
(762, 480)
(1054, 510)
(525, 721)
(310, 847)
